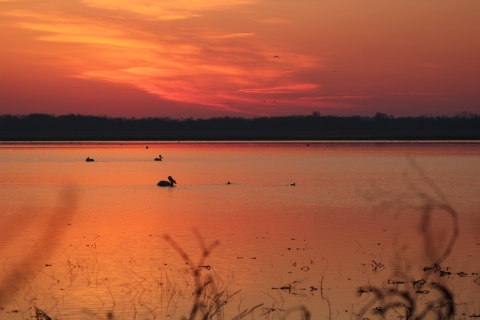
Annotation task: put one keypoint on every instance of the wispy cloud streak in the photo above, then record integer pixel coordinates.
(202, 67)
(427, 94)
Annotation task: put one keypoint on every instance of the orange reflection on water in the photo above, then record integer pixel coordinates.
(87, 239)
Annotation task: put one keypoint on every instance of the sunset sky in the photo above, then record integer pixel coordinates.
(249, 58)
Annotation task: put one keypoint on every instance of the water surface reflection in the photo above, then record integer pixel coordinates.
(363, 233)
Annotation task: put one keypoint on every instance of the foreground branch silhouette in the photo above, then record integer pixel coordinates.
(209, 297)
(430, 296)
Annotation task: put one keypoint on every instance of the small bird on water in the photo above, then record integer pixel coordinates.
(293, 184)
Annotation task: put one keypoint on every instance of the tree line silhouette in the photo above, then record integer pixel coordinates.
(463, 126)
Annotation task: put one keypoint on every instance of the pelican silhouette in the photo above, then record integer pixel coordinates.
(160, 158)
(89, 159)
(169, 183)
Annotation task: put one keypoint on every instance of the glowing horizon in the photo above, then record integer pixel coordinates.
(241, 57)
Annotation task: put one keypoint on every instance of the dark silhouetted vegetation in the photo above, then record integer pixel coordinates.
(415, 294)
(463, 126)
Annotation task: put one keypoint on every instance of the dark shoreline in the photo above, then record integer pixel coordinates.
(239, 141)
(42, 127)
(193, 140)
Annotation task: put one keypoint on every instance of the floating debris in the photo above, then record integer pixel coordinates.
(420, 282)
(377, 266)
(422, 291)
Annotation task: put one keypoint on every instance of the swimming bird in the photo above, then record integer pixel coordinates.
(89, 159)
(169, 183)
(293, 184)
(160, 158)
(228, 182)
(276, 57)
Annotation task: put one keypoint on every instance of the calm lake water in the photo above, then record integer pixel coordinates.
(370, 230)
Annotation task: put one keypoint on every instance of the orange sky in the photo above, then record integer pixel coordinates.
(192, 58)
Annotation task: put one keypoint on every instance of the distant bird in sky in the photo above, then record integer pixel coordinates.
(276, 57)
